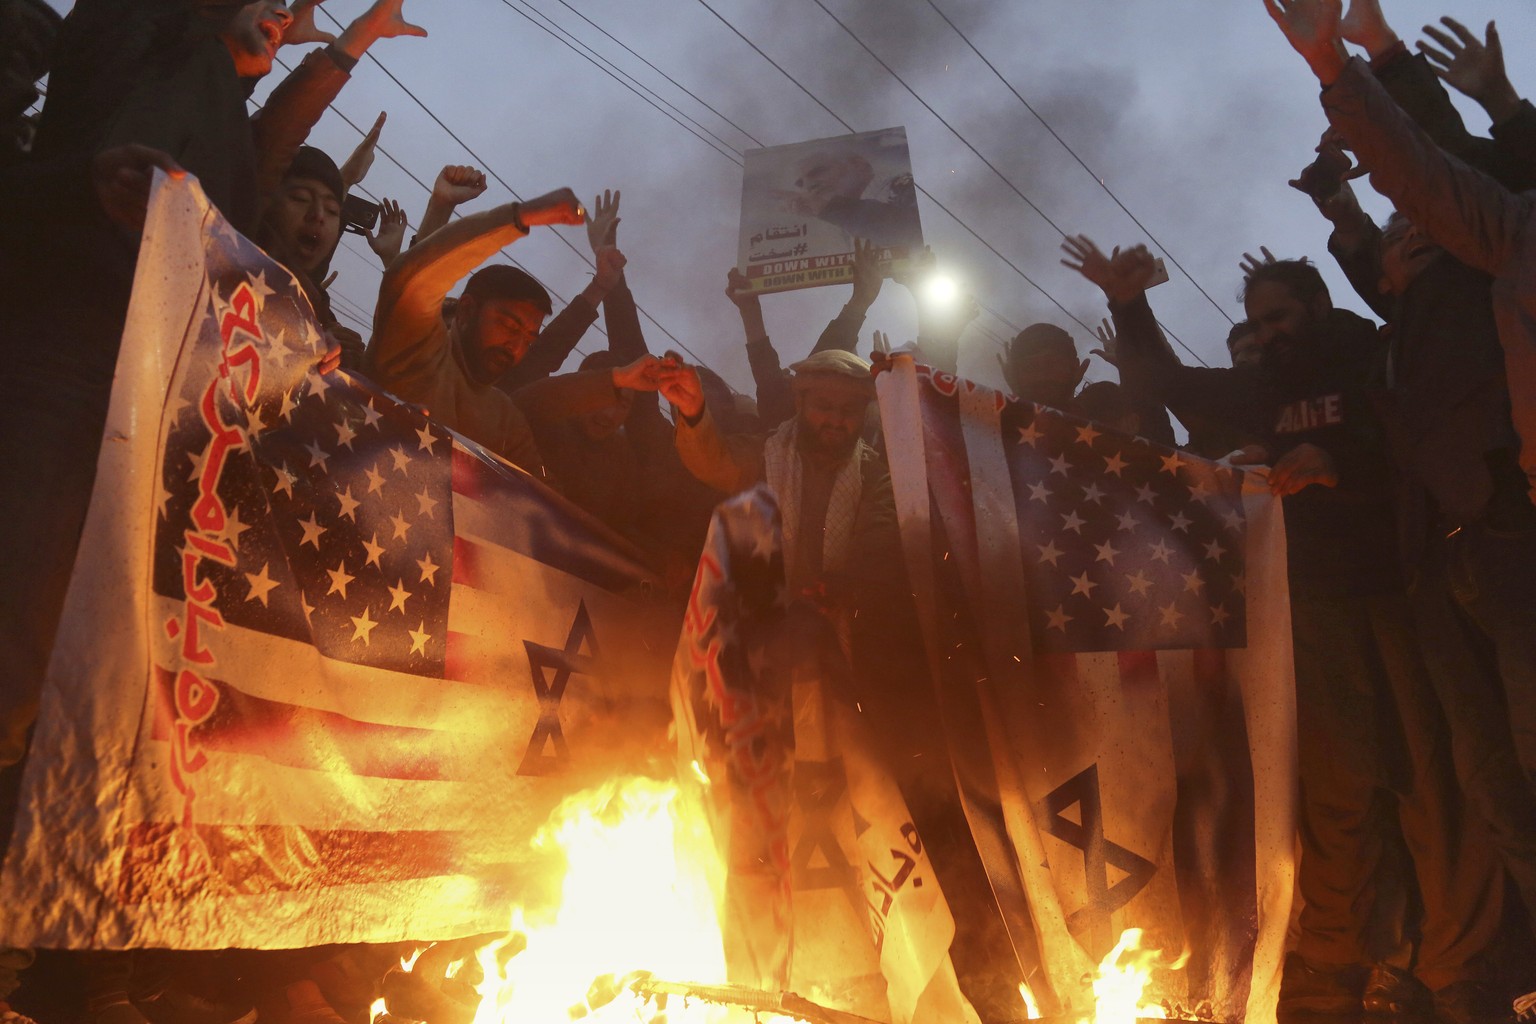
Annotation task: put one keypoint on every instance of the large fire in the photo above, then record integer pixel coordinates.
(638, 901)
(638, 896)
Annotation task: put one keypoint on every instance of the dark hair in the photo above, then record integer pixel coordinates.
(1240, 329)
(316, 165)
(1103, 401)
(508, 283)
(1299, 277)
(1040, 337)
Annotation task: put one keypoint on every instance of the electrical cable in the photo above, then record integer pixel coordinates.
(1081, 163)
(571, 41)
(700, 100)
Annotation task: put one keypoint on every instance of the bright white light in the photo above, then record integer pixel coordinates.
(941, 289)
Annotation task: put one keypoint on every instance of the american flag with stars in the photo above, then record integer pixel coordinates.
(326, 665)
(1132, 547)
(1108, 625)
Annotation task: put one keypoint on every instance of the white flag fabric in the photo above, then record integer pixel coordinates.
(1109, 631)
(324, 666)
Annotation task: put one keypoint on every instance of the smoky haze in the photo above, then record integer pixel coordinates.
(1194, 111)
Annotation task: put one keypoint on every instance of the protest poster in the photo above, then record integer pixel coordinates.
(804, 204)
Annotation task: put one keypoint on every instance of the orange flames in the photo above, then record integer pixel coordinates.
(638, 898)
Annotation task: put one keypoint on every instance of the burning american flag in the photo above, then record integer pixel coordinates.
(325, 667)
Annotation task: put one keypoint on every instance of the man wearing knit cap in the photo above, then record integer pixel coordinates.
(834, 490)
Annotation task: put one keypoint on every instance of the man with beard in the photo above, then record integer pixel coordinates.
(1371, 736)
(452, 369)
(834, 491)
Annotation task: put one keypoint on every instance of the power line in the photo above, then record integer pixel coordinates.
(700, 100)
(989, 164)
(1081, 163)
(611, 74)
(941, 119)
(650, 95)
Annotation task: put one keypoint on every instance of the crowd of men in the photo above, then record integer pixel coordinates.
(1399, 450)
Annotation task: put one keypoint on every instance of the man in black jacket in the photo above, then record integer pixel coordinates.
(1368, 720)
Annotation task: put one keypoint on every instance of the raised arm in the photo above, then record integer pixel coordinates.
(456, 184)
(1356, 240)
(729, 464)
(775, 397)
(412, 292)
(843, 330)
(284, 122)
(1465, 211)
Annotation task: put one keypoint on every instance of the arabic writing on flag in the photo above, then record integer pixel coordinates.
(1108, 630)
(325, 666)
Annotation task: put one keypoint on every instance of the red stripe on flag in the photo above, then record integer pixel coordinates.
(164, 861)
(467, 657)
(304, 737)
(467, 557)
(467, 474)
(1139, 669)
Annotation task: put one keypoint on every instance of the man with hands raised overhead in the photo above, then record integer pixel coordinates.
(452, 368)
(775, 394)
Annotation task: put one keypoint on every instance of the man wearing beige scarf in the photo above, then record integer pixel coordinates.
(834, 490)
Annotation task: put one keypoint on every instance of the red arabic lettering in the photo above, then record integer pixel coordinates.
(195, 698)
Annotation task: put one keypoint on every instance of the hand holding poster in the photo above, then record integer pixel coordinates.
(804, 204)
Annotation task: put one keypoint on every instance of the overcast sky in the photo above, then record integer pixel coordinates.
(1195, 112)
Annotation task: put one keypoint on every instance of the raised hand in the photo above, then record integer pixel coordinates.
(1301, 467)
(458, 183)
(1312, 29)
(1469, 65)
(1365, 25)
(1121, 276)
(385, 20)
(867, 274)
(122, 176)
(739, 290)
(603, 224)
(386, 242)
(918, 266)
(1250, 263)
(1108, 341)
(610, 268)
(357, 165)
(881, 343)
(644, 374)
(302, 28)
(679, 384)
(558, 207)
(1326, 175)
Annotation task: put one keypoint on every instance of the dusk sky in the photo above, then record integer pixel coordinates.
(1195, 112)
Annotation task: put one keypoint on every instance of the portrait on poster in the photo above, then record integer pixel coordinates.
(804, 204)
